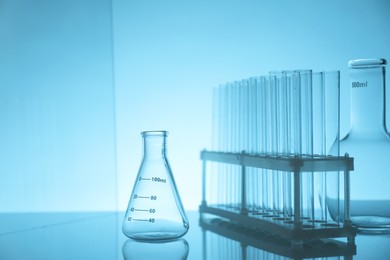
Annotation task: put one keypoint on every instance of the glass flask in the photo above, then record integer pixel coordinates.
(369, 143)
(155, 211)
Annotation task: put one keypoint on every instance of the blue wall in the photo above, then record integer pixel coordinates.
(170, 54)
(57, 109)
(57, 135)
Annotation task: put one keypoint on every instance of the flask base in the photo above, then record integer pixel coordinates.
(371, 224)
(368, 216)
(155, 236)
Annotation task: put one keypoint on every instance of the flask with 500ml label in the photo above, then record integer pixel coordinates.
(368, 141)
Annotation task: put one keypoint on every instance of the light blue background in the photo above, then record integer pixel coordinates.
(170, 54)
(60, 76)
(57, 134)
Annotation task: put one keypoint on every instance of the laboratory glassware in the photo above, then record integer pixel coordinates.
(329, 185)
(369, 143)
(290, 171)
(155, 211)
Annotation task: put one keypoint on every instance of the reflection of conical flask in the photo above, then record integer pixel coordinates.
(176, 249)
(369, 143)
(155, 210)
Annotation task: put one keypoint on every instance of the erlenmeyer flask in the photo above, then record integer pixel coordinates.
(369, 143)
(155, 211)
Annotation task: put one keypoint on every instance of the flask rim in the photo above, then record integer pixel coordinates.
(367, 63)
(154, 133)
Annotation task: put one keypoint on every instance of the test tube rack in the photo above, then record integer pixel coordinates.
(297, 230)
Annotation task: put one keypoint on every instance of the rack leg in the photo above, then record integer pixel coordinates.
(244, 209)
(204, 203)
(297, 200)
(347, 212)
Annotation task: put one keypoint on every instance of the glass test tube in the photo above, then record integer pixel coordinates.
(263, 140)
(326, 142)
(307, 184)
(232, 110)
(275, 130)
(279, 81)
(319, 145)
(244, 144)
(334, 180)
(253, 177)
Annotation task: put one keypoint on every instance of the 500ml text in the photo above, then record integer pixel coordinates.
(357, 84)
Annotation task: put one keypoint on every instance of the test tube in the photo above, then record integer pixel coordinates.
(284, 183)
(232, 110)
(293, 82)
(286, 146)
(244, 115)
(225, 144)
(334, 181)
(244, 176)
(222, 174)
(326, 125)
(263, 127)
(307, 185)
(285, 81)
(319, 145)
(277, 140)
(236, 139)
(253, 177)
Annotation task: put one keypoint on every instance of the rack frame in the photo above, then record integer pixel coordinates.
(295, 231)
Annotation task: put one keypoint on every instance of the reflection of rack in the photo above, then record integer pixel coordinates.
(251, 242)
(294, 230)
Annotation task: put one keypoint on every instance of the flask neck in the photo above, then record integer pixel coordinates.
(368, 100)
(154, 146)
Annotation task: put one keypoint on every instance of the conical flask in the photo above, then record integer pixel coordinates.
(155, 211)
(369, 143)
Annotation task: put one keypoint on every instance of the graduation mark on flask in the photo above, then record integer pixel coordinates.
(152, 197)
(151, 220)
(143, 210)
